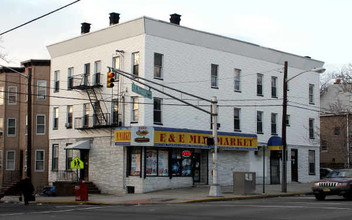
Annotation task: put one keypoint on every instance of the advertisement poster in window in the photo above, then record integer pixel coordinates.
(163, 163)
(135, 164)
(176, 163)
(151, 162)
(186, 163)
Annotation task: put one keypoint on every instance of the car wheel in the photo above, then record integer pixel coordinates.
(320, 197)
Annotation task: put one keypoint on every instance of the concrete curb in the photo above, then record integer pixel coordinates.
(146, 202)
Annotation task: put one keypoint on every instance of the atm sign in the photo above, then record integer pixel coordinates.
(186, 153)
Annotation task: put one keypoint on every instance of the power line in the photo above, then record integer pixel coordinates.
(12, 29)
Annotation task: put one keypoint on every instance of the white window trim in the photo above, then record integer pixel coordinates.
(9, 93)
(35, 162)
(134, 98)
(11, 135)
(39, 97)
(14, 160)
(161, 112)
(161, 67)
(36, 123)
(54, 117)
(239, 71)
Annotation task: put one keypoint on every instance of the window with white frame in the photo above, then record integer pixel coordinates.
(86, 115)
(115, 111)
(237, 80)
(11, 127)
(311, 128)
(12, 95)
(70, 73)
(158, 64)
(39, 160)
(214, 76)
(40, 124)
(41, 89)
(55, 158)
(10, 159)
(135, 61)
(288, 117)
(273, 123)
(56, 81)
(274, 87)
(135, 109)
(2, 95)
(86, 73)
(157, 111)
(97, 72)
(311, 94)
(116, 62)
(69, 157)
(56, 118)
(69, 116)
(236, 119)
(259, 122)
(260, 84)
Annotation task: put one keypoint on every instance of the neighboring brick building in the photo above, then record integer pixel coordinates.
(13, 122)
(335, 126)
(246, 78)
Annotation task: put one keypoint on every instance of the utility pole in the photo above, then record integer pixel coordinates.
(284, 145)
(215, 189)
(29, 116)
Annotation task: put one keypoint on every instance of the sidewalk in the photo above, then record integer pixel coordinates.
(183, 195)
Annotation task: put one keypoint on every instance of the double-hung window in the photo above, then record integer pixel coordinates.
(41, 89)
(69, 116)
(10, 159)
(311, 128)
(55, 158)
(236, 119)
(70, 73)
(97, 72)
(135, 110)
(69, 157)
(135, 61)
(259, 122)
(274, 87)
(39, 160)
(56, 118)
(115, 111)
(237, 81)
(40, 129)
(260, 84)
(158, 64)
(116, 62)
(11, 127)
(86, 73)
(157, 111)
(56, 81)
(214, 76)
(311, 94)
(86, 115)
(12, 96)
(288, 120)
(273, 123)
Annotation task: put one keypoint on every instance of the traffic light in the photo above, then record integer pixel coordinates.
(110, 80)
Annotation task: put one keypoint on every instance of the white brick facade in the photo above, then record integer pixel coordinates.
(187, 58)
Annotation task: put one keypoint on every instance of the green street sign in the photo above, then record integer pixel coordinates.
(77, 163)
(143, 92)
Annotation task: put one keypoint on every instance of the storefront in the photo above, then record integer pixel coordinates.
(159, 158)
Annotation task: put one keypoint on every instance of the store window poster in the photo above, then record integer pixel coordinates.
(163, 163)
(135, 164)
(151, 162)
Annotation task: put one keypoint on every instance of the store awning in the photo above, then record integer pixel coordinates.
(275, 143)
(80, 145)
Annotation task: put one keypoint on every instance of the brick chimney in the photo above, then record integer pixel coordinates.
(85, 28)
(114, 18)
(175, 19)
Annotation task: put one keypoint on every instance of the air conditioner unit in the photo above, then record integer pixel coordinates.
(68, 125)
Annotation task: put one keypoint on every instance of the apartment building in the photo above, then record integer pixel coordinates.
(135, 137)
(14, 122)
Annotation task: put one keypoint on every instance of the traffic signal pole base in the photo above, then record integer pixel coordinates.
(215, 190)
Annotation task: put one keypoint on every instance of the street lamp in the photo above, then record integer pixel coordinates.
(284, 116)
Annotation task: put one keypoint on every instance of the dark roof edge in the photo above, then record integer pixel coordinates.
(33, 62)
(5, 69)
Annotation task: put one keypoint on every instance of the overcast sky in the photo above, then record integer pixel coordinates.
(320, 29)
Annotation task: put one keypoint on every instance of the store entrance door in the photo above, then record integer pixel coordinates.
(275, 167)
(196, 167)
(294, 165)
(85, 159)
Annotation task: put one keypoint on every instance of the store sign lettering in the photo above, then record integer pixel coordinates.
(123, 136)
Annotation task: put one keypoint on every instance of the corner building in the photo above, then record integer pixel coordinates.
(135, 139)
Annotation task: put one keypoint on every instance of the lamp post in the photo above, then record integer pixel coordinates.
(284, 116)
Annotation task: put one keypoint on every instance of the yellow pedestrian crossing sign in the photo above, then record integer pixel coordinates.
(77, 163)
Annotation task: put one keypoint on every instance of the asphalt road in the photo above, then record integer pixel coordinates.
(305, 207)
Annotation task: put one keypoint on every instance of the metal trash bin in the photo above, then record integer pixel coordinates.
(244, 183)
